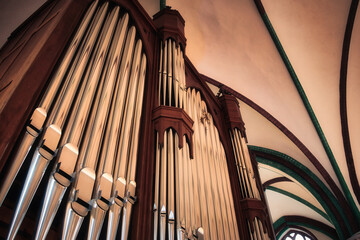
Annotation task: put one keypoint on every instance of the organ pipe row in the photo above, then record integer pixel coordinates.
(90, 114)
(214, 208)
(171, 75)
(257, 232)
(247, 181)
(192, 197)
(244, 166)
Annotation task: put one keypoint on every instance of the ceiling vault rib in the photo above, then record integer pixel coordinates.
(299, 199)
(343, 106)
(344, 223)
(286, 222)
(308, 107)
(291, 136)
(275, 180)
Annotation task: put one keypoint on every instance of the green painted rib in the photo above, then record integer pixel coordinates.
(302, 180)
(299, 199)
(310, 188)
(311, 114)
(162, 4)
(282, 220)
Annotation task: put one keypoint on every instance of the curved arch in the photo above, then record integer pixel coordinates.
(275, 180)
(308, 107)
(310, 181)
(343, 106)
(339, 195)
(299, 199)
(286, 222)
(298, 229)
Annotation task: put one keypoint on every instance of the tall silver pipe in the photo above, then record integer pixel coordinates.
(157, 186)
(163, 178)
(119, 186)
(198, 202)
(123, 148)
(219, 203)
(182, 76)
(47, 148)
(39, 162)
(164, 74)
(124, 144)
(238, 166)
(170, 186)
(133, 151)
(206, 202)
(229, 198)
(175, 74)
(178, 186)
(169, 72)
(249, 166)
(244, 167)
(37, 120)
(225, 210)
(104, 182)
(64, 168)
(160, 74)
(82, 190)
(136, 124)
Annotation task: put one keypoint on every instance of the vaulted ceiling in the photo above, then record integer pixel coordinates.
(295, 67)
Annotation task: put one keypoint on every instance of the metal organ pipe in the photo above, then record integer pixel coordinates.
(101, 79)
(65, 166)
(192, 196)
(33, 129)
(46, 150)
(247, 181)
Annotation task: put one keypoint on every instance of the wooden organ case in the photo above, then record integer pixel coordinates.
(108, 131)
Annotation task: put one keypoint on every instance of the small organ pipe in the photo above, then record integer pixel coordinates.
(164, 74)
(170, 185)
(160, 74)
(163, 171)
(175, 74)
(169, 73)
(157, 185)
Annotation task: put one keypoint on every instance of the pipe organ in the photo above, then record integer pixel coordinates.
(121, 135)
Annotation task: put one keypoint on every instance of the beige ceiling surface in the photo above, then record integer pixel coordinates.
(228, 41)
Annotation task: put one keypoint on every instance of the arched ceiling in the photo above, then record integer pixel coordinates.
(229, 41)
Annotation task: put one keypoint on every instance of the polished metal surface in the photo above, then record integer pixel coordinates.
(97, 217)
(72, 223)
(158, 152)
(169, 73)
(43, 154)
(39, 115)
(171, 186)
(52, 200)
(101, 79)
(113, 222)
(163, 190)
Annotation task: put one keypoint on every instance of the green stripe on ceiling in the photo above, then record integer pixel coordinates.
(301, 180)
(309, 109)
(309, 187)
(299, 199)
(282, 220)
(162, 4)
(297, 164)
